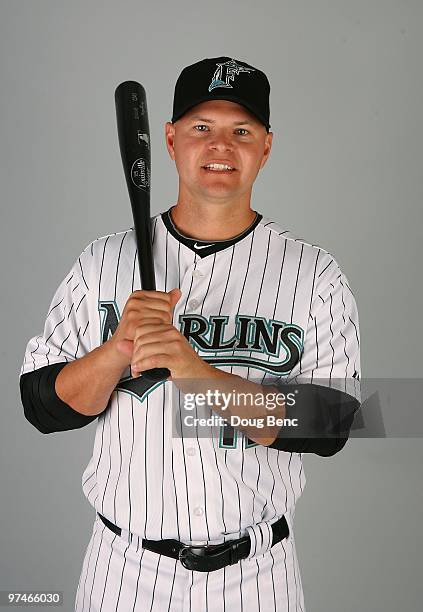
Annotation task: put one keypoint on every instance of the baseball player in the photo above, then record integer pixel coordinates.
(187, 521)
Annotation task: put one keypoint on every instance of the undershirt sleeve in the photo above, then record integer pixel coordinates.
(43, 408)
(324, 418)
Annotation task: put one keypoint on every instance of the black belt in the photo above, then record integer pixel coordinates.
(205, 558)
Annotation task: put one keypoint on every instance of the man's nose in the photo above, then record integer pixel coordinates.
(221, 141)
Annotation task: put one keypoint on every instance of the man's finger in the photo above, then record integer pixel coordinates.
(140, 294)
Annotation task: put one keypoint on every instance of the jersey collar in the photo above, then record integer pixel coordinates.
(206, 247)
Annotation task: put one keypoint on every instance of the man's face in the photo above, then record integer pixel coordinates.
(217, 131)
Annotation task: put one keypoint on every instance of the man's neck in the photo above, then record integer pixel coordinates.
(211, 224)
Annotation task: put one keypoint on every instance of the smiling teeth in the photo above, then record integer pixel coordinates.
(219, 167)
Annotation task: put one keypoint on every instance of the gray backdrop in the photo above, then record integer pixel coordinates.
(345, 172)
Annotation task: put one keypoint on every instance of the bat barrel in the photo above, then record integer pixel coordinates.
(134, 143)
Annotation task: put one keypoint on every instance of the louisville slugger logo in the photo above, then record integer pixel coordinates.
(140, 173)
(225, 72)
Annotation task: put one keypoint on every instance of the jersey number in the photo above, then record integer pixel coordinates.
(228, 438)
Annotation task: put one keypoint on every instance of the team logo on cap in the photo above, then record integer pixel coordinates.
(225, 72)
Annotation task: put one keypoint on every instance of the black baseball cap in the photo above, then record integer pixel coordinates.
(222, 78)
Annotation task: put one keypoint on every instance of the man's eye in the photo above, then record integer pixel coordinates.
(200, 126)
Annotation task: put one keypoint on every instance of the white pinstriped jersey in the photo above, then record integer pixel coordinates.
(268, 306)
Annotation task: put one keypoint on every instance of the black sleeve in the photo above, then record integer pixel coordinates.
(325, 416)
(43, 408)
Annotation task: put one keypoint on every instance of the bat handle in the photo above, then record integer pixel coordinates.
(156, 374)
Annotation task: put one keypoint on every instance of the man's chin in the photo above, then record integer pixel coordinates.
(219, 195)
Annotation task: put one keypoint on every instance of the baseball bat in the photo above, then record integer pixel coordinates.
(134, 142)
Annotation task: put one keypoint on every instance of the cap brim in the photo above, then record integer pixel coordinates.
(221, 96)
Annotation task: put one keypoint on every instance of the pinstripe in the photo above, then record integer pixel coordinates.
(343, 336)
(176, 495)
(258, 478)
(95, 570)
(70, 310)
(186, 477)
(257, 584)
(171, 590)
(331, 336)
(82, 272)
(227, 279)
(108, 414)
(204, 483)
(295, 580)
(137, 585)
(101, 267)
(145, 461)
(355, 328)
(296, 282)
(240, 587)
(107, 573)
(155, 581)
(54, 329)
(77, 346)
(154, 229)
(221, 487)
(237, 488)
(274, 482)
(120, 457)
(261, 286)
(87, 569)
(121, 577)
(58, 303)
(165, 392)
(34, 351)
(277, 293)
(326, 267)
(311, 297)
(118, 262)
(317, 348)
(273, 579)
(86, 327)
(290, 475)
(103, 418)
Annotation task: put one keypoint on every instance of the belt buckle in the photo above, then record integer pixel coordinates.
(186, 549)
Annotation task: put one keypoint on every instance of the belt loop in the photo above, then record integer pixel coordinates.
(261, 536)
(125, 534)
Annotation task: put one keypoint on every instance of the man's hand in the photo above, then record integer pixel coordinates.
(148, 339)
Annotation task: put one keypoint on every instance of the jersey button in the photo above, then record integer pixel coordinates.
(193, 303)
(191, 451)
(198, 511)
(197, 274)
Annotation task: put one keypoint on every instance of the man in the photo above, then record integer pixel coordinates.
(185, 520)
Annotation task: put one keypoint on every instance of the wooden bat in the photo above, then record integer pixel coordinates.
(134, 142)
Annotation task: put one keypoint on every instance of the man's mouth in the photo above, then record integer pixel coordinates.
(219, 168)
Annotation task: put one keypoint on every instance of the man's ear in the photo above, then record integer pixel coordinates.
(267, 148)
(170, 138)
